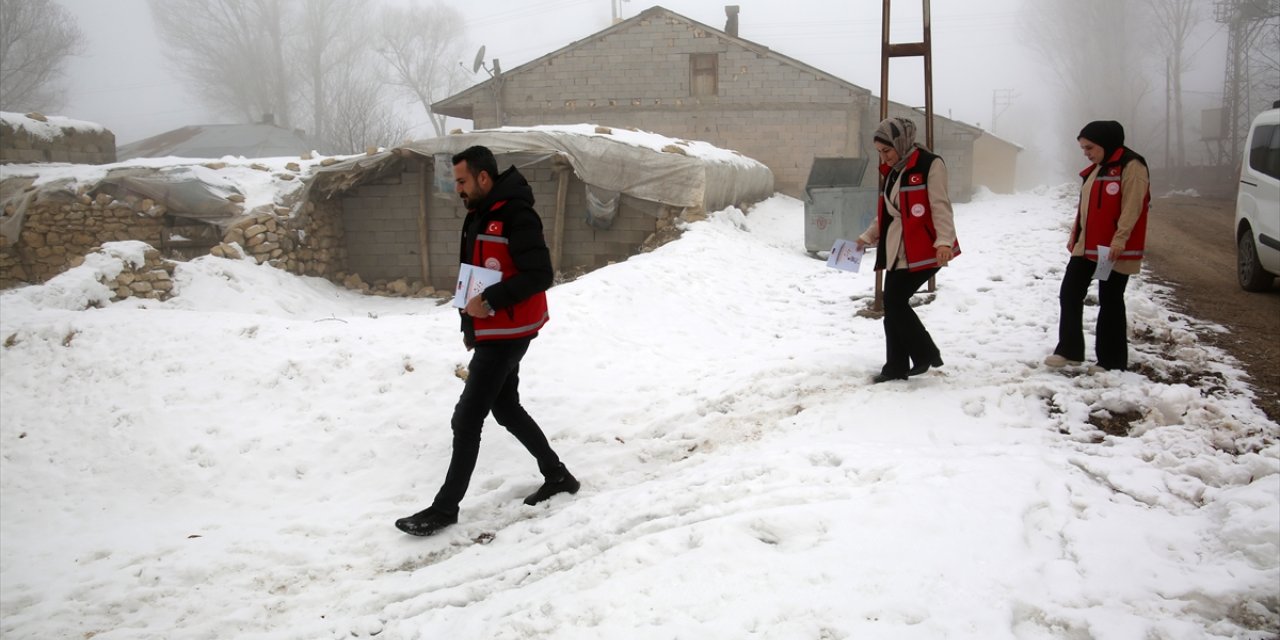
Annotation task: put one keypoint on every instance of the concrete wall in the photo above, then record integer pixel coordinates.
(84, 147)
(995, 164)
(380, 221)
(779, 114)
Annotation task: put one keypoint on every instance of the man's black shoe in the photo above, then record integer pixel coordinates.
(924, 366)
(563, 482)
(425, 522)
(882, 377)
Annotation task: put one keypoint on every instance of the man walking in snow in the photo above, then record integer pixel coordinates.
(501, 232)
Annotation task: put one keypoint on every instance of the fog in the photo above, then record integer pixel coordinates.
(126, 82)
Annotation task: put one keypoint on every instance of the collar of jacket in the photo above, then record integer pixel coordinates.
(1112, 159)
(911, 162)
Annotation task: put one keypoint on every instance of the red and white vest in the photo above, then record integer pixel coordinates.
(526, 317)
(1103, 210)
(916, 216)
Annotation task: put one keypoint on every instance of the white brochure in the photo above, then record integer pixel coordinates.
(846, 256)
(472, 281)
(1103, 270)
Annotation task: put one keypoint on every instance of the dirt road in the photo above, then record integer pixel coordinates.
(1190, 246)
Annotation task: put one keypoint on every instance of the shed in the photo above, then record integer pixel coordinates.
(601, 194)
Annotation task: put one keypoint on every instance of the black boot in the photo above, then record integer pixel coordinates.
(426, 522)
(922, 367)
(560, 482)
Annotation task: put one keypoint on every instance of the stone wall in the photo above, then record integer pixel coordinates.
(17, 145)
(61, 227)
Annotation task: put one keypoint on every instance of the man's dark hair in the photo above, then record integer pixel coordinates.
(478, 159)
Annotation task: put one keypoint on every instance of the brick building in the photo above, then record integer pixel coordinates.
(662, 72)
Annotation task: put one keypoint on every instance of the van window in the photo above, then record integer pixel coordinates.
(1264, 153)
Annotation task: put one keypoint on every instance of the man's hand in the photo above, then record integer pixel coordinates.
(477, 308)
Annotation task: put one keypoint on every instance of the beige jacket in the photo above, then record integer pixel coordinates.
(1135, 180)
(939, 207)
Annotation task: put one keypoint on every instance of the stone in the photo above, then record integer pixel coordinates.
(353, 281)
(259, 167)
(141, 286)
(293, 166)
(255, 230)
(123, 292)
(126, 278)
(398, 287)
(235, 197)
(328, 161)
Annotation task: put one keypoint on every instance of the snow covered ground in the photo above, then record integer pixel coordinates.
(228, 464)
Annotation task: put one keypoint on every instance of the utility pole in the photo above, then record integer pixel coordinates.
(1000, 101)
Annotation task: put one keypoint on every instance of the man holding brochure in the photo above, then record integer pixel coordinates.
(1106, 245)
(502, 243)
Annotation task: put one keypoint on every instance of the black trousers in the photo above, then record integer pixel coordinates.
(1111, 343)
(492, 386)
(906, 341)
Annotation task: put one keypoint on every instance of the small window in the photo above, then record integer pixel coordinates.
(1264, 153)
(704, 71)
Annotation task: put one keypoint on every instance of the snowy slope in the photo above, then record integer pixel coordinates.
(228, 464)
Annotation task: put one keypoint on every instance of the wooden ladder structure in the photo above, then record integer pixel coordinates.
(888, 50)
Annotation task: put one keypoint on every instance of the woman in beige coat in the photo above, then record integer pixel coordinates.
(1111, 220)
(915, 236)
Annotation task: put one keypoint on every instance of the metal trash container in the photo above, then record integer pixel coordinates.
(836, 204)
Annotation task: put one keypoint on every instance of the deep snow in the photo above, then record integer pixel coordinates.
(228, 464)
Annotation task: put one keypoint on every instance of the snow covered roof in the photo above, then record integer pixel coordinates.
(219, 140)
(51, 127)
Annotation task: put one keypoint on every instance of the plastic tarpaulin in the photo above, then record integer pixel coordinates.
(677, 178)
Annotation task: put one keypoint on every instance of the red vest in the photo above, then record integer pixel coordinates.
(524, 318)
(915, 215)
(1103, 208)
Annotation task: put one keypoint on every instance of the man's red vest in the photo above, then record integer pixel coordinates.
(915, 214)
(526, 317)
(1103, 208)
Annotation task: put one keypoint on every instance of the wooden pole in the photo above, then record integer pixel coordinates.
(424, 252)
(557, 236)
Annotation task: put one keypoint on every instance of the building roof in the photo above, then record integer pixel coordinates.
(460, 104)
(218, 140)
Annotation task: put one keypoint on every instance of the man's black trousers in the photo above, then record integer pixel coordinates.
(492, 386)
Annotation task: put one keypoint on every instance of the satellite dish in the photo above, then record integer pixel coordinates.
(479, 61)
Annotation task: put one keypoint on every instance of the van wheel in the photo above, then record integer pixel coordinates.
(1252, 277)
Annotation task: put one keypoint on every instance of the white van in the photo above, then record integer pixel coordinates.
(1258, 204)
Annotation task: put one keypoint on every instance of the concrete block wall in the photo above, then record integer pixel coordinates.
(780, 114)
(385, 227)
(380, 220)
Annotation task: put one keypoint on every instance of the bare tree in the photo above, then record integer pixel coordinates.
(232, 53)
(423, 45)
(1174, 21)
(1091, 48)
(36, 38)
(360, 116)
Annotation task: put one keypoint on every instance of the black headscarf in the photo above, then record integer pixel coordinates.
(1107, 134)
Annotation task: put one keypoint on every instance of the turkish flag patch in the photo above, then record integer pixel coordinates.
(1115, 171)
(495, 228)
(916, 179)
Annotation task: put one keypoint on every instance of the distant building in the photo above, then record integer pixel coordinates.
(660, 71)
(995, 163)
(262, 140)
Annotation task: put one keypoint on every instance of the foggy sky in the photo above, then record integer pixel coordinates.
(124, 82)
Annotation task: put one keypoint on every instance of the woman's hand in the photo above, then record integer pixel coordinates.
(944, 256)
